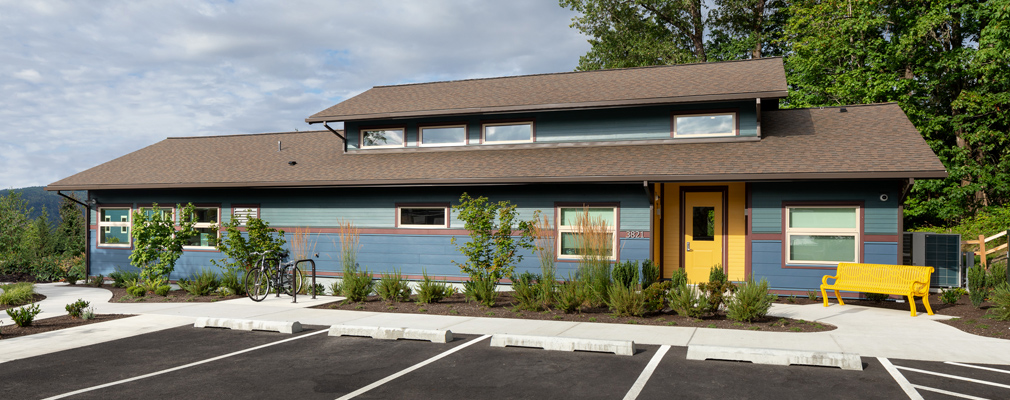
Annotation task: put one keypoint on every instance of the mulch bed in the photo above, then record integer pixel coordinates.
(968, 318)
(457, 305)
(119, 295)
(54, 323)
(35, 299)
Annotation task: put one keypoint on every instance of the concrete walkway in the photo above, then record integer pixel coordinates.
(868, 332)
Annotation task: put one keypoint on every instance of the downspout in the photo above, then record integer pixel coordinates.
(87, 232)
(901, 214)
(652, 236)
(758, 107)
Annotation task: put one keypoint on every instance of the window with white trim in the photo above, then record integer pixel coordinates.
(385, 137)
(510, 132)
(570, 238)
(206, 227)
(422, 216)
(114, 226)
(822, 234)
(704, 125)
(448, 135)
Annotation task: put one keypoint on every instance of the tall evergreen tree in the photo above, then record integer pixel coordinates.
(70, 232)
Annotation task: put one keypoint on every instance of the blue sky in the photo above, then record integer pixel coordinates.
(82, 83)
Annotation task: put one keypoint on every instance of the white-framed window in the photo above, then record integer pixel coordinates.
(704, 125)
(507, 132)
(422, 216)
(382, 137)
(444, 135)
(114, 226)
(570, 242)
(822, 234)
(206, 227)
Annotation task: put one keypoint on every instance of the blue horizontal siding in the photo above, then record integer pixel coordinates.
(880, 253)
(880, 217)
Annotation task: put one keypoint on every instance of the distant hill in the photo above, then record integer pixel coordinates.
(38, 198)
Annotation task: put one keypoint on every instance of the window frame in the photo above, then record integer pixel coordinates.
(530, 122)
(703, 113)
(446, 207)
(128, 224)
(560, 229)
(361, 136)
(205, 225)
(788, 232)
(466, 134)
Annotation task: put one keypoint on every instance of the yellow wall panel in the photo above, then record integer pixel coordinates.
(671, 235)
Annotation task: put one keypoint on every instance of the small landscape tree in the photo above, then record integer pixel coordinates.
(259, 237)
(492, 251)
(157, 243)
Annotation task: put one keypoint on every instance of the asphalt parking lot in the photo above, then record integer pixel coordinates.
(189, 362)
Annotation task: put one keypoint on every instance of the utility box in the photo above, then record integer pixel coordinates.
(942, 251)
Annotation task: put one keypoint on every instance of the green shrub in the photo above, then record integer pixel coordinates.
(46, 268)
(678, 278)
(337, 288)
(392, 287)
(1001, 302)
(232, 280)
(876, 297)
(120, 279)
(76, 308)
(595, 277)
(526, 291)
(203, 284)
(72, 268)
(318, 289)
(655, 296)
(976, 285)
(429, 291)
(650, 273)
(136, 291)
(751, 302)
(996, 275)
(570, 295)
(481, 290)
(626, 301)
(162, 290)
(16, 294)
(357, 285)
(716, 287)
(812, 295)
(96, 281)
(950, 296)
(689, 302)
(88, 313)
(24, 316)
(626, 273)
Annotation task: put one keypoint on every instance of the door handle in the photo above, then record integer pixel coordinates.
(688, 246)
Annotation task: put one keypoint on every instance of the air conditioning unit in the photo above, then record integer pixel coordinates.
(942, 251)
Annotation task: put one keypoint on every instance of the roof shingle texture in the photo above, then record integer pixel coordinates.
(735, 79)
(867, 141)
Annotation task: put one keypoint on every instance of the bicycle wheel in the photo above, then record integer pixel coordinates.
(296, 282)
(257, 284)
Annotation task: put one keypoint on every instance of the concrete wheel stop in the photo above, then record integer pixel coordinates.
(248, 325)
(619, 347)
(386, 333)
(847, 361)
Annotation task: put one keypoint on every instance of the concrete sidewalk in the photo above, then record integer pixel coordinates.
(868, 332)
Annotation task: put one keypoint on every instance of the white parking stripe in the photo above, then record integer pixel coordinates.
(922, 371)
(977, 366)
(898, 377)
(385, 380)
(165, 371)
(948, 393)
(636, 389)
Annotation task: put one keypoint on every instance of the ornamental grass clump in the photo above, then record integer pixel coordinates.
(120, 278)
(392, 287)
(231, 279)
(594, 243)
(1001, 302)
(430, 291)
(16, 294)
(571, 295)
(543, 232)
(751, 302)
(626, 301)
(526, 291)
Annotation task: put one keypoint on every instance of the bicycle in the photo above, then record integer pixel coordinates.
(271, 274)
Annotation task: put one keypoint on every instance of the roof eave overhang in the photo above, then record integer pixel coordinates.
(778, 94)
(731, 177)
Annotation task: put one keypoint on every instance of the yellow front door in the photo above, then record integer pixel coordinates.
(703, 233)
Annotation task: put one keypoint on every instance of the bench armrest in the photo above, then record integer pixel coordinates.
(916, 284)
(824, 280)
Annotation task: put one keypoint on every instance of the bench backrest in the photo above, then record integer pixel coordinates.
(888, 278)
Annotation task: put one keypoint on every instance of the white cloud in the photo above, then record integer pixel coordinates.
(87, 82)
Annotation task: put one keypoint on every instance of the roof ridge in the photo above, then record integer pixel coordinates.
(840, 106)
(248, 134)
(576, 72)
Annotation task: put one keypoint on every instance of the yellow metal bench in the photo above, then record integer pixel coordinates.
(902, 280)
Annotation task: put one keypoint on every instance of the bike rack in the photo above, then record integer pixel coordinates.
(313, 287)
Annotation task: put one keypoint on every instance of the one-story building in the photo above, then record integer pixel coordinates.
(692, 165)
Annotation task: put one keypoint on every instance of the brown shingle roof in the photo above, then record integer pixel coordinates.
(873, 141)
(732, 80)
